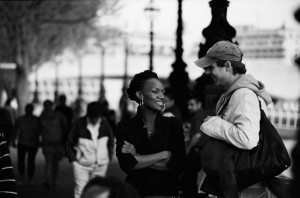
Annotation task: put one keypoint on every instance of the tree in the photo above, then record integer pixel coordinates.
(33, 32)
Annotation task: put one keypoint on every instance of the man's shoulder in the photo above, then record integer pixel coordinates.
(241, 93)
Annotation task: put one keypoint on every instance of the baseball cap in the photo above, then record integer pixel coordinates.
(222, 50)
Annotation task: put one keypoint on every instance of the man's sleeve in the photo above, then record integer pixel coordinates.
(241, 122)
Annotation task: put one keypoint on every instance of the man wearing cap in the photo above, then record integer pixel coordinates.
(238, 114)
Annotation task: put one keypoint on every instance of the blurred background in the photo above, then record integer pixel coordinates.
(90, 49)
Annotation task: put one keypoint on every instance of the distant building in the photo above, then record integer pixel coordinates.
(269, 54)
(280, 43)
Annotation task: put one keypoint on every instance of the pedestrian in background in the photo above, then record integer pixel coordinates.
(12, 111)
(90, 146)
(27, 136)
(8, 187)
(6, 125)
(196, 117)
(171, 109)
(67, 111)
(150, 147)
(53, 128)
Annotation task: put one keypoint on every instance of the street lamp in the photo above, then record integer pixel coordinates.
(36, 89)
(102, 61)
(56, 81)
(151, 11)
(79, 94)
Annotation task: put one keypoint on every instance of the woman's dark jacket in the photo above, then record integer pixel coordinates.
(167, 137)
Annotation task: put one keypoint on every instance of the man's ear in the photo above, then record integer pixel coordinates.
(228, 66)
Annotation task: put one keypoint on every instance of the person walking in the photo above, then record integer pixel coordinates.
(67, 111)
(171, 109)
(53, 128)
(197, 114)
(8, 187)
(90, 146)
(27, 134)
(6, 125)
(237, 123)
(150, 147)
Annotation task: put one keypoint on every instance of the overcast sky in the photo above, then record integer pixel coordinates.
(269, 14)
(197, 14)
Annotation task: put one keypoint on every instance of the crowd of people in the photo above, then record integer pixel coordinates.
(160, 150)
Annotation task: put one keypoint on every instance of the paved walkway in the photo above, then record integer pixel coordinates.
(64, 187)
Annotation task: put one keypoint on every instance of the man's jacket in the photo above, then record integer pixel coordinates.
(82, 148)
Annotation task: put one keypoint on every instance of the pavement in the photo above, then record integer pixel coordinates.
(65, 182)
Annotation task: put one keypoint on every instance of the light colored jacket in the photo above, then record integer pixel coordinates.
(239, 123)
(81, 147)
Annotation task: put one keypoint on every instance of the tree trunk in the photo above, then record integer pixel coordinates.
(22, 90)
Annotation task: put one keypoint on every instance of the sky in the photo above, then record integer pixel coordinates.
(197, 14)
(266, 14)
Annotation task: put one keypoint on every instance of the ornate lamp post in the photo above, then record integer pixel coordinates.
(295, 152)
(179, 78)
(124, 98)
(218, 29)
(102, 65)
(56, 82)
(79, 96)
(151, 12)
(36, 89)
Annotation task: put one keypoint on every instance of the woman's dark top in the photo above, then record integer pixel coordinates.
(167, 137)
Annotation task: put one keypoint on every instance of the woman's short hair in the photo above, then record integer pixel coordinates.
(138, 82)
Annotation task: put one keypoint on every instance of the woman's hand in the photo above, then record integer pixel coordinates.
(129, 148)
(166, 155)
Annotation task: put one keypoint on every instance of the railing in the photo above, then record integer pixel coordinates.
(286, 122)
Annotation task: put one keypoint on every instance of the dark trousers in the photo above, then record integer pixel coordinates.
(227, 169)
(190, 174)
(31, 154)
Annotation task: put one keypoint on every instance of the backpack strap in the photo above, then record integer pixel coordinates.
(259, 102)
(225, 104)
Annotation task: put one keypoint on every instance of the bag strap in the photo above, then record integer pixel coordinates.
(227, 102)
(259, 102)
(225, 105)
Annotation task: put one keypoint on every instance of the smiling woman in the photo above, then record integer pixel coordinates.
(150, 147)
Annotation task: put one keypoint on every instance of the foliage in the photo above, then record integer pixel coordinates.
(32, 32)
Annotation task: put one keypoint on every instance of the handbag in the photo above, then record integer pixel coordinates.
(270, 157)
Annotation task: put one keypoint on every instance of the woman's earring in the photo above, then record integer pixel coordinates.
(142, 102)
(164, 107)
